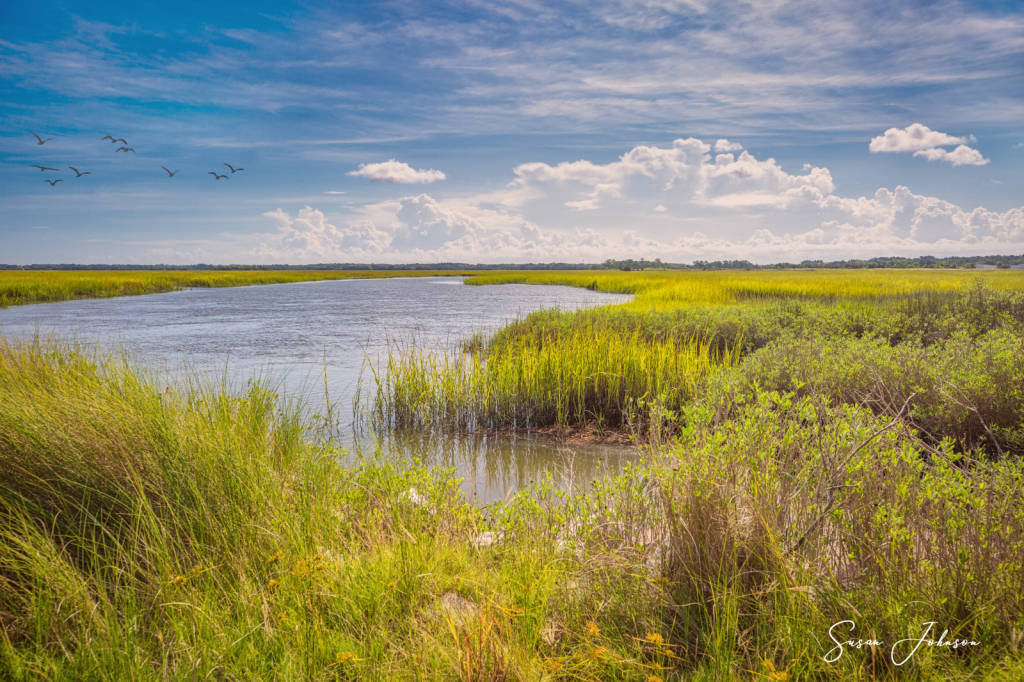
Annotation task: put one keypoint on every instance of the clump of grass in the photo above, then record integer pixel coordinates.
(589, 377)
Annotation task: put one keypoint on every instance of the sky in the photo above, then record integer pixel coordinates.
(510, 131)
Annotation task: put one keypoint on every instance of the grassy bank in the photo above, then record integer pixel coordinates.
(149, 533)
(661, 290)
(634, 367)
(20, 287)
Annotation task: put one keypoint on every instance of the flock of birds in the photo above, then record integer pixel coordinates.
(125, 148)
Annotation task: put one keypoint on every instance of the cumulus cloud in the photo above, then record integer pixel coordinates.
(309, 237)
(961, 156)
(926, 142)
(397, 172)
(542, 216)
(724, 146)
(683, 173)
(912, 138)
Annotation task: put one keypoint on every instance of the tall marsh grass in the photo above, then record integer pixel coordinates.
(586, 378)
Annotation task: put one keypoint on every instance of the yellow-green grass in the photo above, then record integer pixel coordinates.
(580, 378)
(40, 286)
(671, 289)
(187, 533)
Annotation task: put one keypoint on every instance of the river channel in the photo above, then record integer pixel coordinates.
(300, 337)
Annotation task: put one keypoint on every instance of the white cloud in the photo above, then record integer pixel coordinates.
(660, 209)
(334, 192)
(397, 172)
(961, 156)
(723, 146)
(912, 138)
(309, 237)
(926, 142)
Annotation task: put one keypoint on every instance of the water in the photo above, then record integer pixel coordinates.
(299, 334)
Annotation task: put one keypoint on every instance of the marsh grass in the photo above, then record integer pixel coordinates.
(156, 533)
(587, 377)
(19, 287)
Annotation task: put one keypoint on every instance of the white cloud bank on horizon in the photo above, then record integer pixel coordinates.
(397, 172)
(924, 141)
(710, 208)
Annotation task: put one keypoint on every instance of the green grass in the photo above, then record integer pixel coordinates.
(183, 533)
(19, 287)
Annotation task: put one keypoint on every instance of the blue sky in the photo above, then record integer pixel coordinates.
(511, 131)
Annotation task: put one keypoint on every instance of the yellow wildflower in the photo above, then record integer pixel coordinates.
(177, 579)
(319, 567)
(596, 653)
(653, 678)
(345, 656)
(274, 557)
(779, 676)
(592, 629)
(655, 638)
(272, 584)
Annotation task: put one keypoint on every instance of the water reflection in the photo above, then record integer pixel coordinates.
(492, 467)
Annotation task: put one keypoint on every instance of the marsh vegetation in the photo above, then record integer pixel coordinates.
(821, 447)
(18, 287)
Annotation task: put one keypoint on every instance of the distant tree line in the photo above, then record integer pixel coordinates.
(610, 264)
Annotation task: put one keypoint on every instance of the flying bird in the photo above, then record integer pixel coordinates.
(80, 174)
(233, 169)
(41, 140)
(43, 168)
(52, 182)
(125, 150)
(169, 173)
(108, 137)
(215, 176)
(112, 141)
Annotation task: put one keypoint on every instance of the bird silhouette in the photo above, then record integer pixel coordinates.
(53, 182)
(169, 173)
(108, 137)
(125, 150)
(43, 168)
(233, 169)
(80, 174)
(215, 176)
(41, 140)
(121, 139)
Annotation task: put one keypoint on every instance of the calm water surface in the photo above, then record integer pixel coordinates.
(297, 334)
